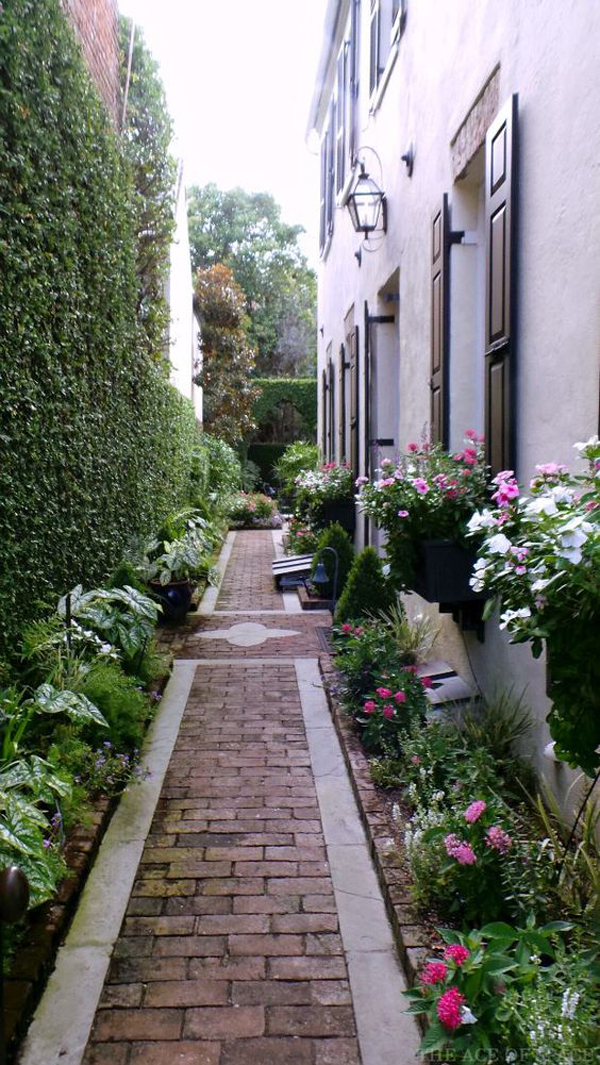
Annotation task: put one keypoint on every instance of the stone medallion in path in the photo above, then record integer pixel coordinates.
(231, 952)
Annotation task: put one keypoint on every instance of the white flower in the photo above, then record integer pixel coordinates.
(593, 440)
(569, 1004)
(545, 504)
(499, 544)
(572, 542)
(512, 615)
(466, 1017)
(482, 519)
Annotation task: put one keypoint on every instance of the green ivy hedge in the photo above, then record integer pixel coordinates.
(94, 443)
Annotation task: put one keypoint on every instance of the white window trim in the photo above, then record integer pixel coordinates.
(342, 196)
(377, 96)
(327, 245)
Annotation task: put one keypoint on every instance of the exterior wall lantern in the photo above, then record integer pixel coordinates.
(366, 205)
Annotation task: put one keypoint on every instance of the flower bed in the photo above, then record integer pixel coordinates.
(320, 493)
(500, 871)
(248, 510)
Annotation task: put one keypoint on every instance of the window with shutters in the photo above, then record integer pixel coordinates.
(386, 24)
(327, 194)
(345, 98)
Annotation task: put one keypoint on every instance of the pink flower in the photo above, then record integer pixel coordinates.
(474, 811)
(400, 697)
(465, 855)
(550, 469)
(457, 953)
(451, 843)
(421, 486)
(415, 759)
(403, 514)
(497, 838)
(369, 707)
(426, 682)
(434, 973)
(387, 481)
(361, 480)
(507, 491)
(504, 475)
(386, 462)
(470, 434)
(388, 711)
(448, 1008)
(410, 669)
(520, 570)
(383, 693)
(359, 632)
(346, 627)
(413, 447)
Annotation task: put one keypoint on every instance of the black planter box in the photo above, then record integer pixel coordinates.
(444, 571)
(344, 513)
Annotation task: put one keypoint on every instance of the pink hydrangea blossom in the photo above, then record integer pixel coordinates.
(448, 1008)
(369, 707)
(434, 973)
(497, 838)
(388, 711)
(421, 486)
(457, 953)
(400, 697)
(384, 693)
(474, 811)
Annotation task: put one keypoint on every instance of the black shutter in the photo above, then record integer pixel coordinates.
(354, 404)
(342, 405)
(330, 192)
(354, 79)
(367, 412)
(439, 324)
(331, 417)
(323, 195)
(324, 414)
(500, 249)
(340, 119)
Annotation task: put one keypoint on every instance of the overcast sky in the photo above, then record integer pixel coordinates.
(239, 78)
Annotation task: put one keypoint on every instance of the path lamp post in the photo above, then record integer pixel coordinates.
(14, 900)
(320, 574)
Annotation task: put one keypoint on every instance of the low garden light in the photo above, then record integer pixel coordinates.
(320, 575)
(366, 204)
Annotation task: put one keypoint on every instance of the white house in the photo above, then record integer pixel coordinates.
(184, 328)
(479, 305)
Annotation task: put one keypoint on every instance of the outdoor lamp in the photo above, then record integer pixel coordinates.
(366, 203)
(320, 574)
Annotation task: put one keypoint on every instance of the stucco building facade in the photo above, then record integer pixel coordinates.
(479, 306)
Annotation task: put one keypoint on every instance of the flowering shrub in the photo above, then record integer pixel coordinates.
(330, 484)
(468, 993)
(302, 538)
(248, 510)
(540, 558)
(427, 494)
(396, 703)
(361, 649)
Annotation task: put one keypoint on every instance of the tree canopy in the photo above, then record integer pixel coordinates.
(245, 232)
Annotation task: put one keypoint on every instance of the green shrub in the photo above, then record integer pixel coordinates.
(225, 468)
(367, 590)
(122, 704)
(335, 537)
(295, 459)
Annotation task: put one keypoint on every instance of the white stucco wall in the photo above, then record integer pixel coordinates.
(548, 52)
(183, 330)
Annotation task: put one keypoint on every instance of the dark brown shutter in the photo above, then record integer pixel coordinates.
(439, 325)
(324, 414)
(500, 220)
(367, 410)
(330, 193)
(340, 119)
(331, 418)
(342, 405)
(323, 195)
(354, 396)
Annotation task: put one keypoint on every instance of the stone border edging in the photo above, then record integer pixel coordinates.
(412, 938)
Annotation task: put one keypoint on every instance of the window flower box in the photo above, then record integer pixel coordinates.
(338, 511)
(443, 572)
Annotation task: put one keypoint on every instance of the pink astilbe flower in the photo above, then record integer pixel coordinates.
(434, 973)
(474, 811)
(383, 693)
(457, 953)
(497, 838)
(448, 1008)
(400, 697)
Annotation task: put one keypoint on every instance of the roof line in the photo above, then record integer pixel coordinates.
(332, 15)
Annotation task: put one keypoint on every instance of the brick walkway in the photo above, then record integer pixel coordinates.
(230, 952)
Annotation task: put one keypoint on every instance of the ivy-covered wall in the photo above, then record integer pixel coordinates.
(94, 442)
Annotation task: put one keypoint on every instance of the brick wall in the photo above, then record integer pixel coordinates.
(96, 23)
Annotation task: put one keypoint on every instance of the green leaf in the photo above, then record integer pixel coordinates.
(499, 930)
(435, 1038)
(75, 706)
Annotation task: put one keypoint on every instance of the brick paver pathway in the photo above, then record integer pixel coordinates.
(230, 952)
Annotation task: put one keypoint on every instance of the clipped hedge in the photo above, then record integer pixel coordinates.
(301, 392)
(266, 456)
(95, 444)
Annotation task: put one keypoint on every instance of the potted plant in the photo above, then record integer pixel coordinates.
(172, 574)
(424, 503)
(325, 496)
(540, 561)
